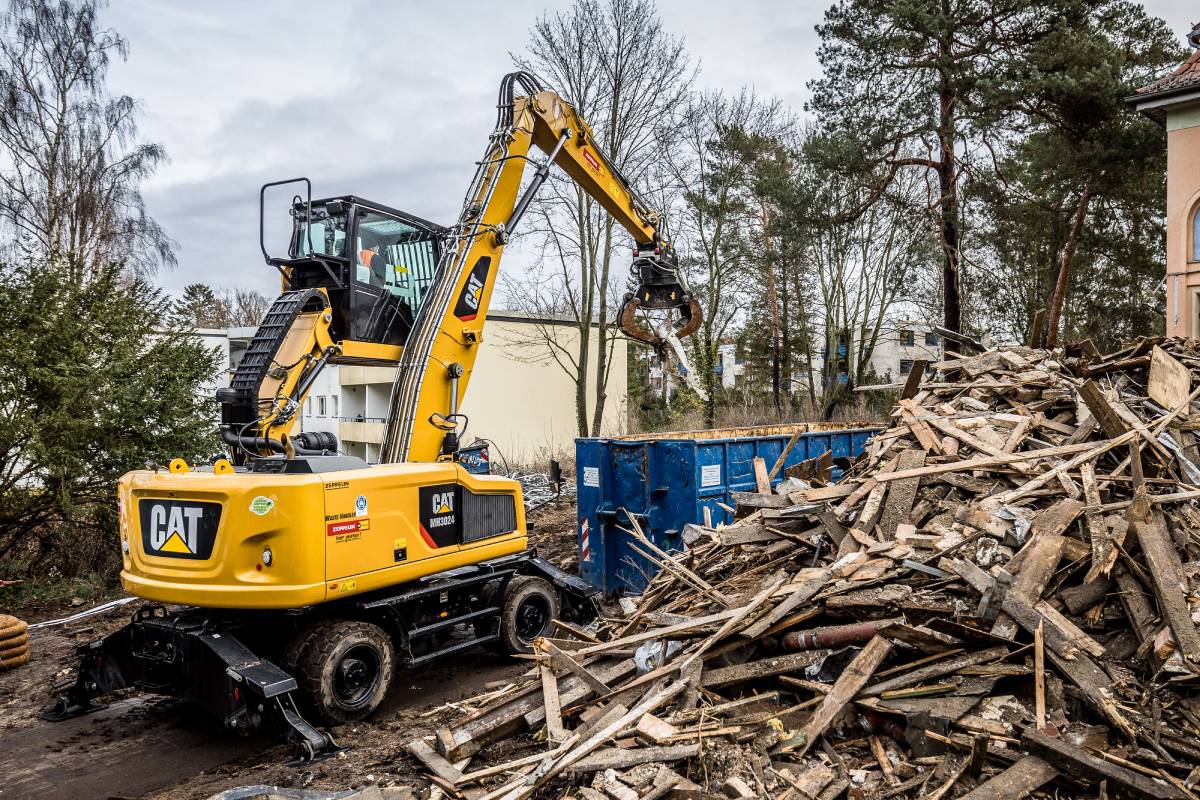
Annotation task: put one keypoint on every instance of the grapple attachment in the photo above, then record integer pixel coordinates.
(657, 286)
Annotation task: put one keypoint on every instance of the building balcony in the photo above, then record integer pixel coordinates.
(368, 430)
(358, 376)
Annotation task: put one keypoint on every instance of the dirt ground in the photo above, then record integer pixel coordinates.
(155, 748)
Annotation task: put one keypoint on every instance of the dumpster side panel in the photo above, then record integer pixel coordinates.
(667, 483)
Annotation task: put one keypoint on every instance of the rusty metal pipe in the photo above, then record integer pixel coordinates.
(837, 636)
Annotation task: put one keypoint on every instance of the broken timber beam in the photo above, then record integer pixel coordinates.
(1081, 764)
(1018, 781)
(848, 684)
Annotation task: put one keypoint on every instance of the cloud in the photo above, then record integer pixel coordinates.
(391, 101)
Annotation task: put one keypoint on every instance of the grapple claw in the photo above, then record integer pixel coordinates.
(657, 286)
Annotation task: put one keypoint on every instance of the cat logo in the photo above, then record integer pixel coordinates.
(466, 308)
(443, 503)
(474, 287)
(439, 525)
(177, 529)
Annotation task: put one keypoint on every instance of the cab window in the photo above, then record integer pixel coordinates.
(393, 255)
(327, 234)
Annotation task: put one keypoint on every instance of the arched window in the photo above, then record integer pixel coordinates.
(1196, 233)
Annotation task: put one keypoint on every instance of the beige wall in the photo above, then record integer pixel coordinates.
(1183, 196)
(522, 400)
(518, 396)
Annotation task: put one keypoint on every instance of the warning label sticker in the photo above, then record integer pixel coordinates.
(710, 475)
(591, 476)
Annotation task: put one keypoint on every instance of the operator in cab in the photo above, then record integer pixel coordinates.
(375, 265)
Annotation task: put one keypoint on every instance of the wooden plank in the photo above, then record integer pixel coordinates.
(822, 493)
(1081, 764)
(434, 762)
(1035, 328)
(919, 427)
(1170, 382)
(555, 731)
(1166, 571)
(1018, 781)
(913, 383)
(901, 496)
(1039, 677)
(563, 660)
(1039, 560)
(988, 462)
(787, 448)
(848, 684)
(523, 711)
(1135, 603)
(620, 758)
(761, 480)
(1094, 451)
(763, 668)
(947, 666)
(1110, 422)
(759, 500)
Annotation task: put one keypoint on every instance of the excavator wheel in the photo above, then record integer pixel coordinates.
(344, 668)
(530, 604)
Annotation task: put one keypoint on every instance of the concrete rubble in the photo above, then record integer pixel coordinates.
(998, 600)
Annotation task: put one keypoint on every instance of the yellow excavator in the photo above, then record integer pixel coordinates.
(288, 576)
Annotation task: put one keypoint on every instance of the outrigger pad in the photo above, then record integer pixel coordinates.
(65, 709)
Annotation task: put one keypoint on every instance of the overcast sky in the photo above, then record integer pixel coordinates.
(388, 100)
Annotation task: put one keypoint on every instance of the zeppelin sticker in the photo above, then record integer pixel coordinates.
(349, 530)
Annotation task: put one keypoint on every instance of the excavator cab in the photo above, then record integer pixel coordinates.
(355, 276)
(376, 264)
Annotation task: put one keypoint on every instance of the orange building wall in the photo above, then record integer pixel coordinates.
(1183, 195)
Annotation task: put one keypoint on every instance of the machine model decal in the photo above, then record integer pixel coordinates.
(439, 518)
(360, 506)
(467, 307)
(336, 485)
(177, 529)
(261, 505)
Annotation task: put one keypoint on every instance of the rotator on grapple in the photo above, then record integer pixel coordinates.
(657, 292)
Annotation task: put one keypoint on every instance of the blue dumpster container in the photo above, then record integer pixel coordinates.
(666, 481)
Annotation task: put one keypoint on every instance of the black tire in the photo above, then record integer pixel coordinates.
(344, 668)
(529, 606)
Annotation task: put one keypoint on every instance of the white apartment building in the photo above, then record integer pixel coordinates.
(519, 398)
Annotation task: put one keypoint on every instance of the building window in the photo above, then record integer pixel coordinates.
(908, 338)
(932, 339)
(320, 406)
(905, 366)
(1196, 234)
(308, 406)
(333, 404)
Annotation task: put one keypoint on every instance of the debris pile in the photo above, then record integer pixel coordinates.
(998, 599)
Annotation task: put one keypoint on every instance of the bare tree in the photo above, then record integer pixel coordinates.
(863, 267)
(71, 164)
(623, 72)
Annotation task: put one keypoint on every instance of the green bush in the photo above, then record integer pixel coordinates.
(95, 380)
